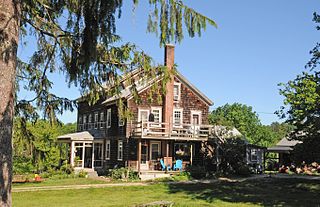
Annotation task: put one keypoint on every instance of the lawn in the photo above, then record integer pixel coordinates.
(264, 192)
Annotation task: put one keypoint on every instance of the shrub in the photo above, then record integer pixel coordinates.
(196, 171)
(82, 174)
(123, 174)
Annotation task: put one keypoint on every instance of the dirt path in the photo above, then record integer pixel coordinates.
(68, 187)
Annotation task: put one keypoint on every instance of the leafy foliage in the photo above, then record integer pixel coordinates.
(35, 147)
(79, 39)
(243, 118)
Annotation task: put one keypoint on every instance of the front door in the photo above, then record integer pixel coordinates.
(88, 155)
(144, 165)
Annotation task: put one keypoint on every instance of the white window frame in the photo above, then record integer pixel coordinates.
(121, 121)
(160, 115)
(96, 120)
(140, 110)
(80, 123)
(90, 121)
(254, 152)
(120, 150)
(196, 112)
(109, 114)
(108, 149)
(159, 149)
(102, 149)
(181, 117)
(84, 122)
(179, 92)
(101, 120)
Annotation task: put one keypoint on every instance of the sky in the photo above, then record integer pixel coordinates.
(257, 45)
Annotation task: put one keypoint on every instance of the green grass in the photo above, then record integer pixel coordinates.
(264, 192)
(59, 182)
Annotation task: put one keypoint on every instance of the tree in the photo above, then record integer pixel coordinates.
(85, 45)
(302, 105)
(243, 118)
(239, 116)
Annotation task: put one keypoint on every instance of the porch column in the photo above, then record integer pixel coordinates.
(92, 156)
(191, 154)
(139, 155)
(167, 153)
(72, 154)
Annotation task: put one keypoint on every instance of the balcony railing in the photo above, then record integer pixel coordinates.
(169, 131)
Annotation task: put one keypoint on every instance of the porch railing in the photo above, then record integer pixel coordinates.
(166, 130)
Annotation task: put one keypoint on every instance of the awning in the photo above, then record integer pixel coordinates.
(79, 136)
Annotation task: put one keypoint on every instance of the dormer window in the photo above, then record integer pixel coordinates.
(176, 91)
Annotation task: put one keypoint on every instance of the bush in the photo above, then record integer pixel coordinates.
(196, 171)
(123, 174)
(82, 174)
(243, 170)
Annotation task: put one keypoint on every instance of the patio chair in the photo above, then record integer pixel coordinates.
(163, 166)
(178, 165)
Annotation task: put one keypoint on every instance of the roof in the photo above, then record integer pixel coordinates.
(284, 145)
(289, 143)
(78, 136)
(143, 84)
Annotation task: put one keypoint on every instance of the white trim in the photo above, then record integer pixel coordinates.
(101, 120)
(147, 87)
(90, 121)
(159, 108)
(179, 92)
(108, 152)
(96, 120)
(109, 114)
(159, 149)
(141, 110)
(196, 112)
(181, 116)
(120, 151)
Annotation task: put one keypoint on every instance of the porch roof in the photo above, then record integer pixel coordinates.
(78, 136)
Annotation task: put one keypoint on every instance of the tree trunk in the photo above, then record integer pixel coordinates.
(9, 36)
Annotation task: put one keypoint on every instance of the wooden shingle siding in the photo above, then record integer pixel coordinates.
(190, 101)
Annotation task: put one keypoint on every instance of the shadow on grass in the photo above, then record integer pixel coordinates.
(265, 191)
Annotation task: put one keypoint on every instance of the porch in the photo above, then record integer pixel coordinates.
(85, 152)
(146, 154)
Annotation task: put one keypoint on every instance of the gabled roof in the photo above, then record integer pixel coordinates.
(284, 145)
(143, 84)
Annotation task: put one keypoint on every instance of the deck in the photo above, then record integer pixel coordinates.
(166, 131)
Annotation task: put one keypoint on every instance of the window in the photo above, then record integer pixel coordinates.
(254, 154)
(120, 150)
(177, 117)
(80, 123)
(101, 120)
(97, 154)
(84, 122)
(121, 121)
(183, 149)
(108, 118)
(157, 114)
(90, 121)
(96, 118)
(155, 150)
(108, 150)
(176, 91)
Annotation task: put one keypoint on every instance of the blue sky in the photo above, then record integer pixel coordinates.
(257, 45)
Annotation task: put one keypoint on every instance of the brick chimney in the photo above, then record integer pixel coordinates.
(168, 98)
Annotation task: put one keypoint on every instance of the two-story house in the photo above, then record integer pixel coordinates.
(172, 129)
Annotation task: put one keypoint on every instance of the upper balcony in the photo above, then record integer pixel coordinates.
(153, 130)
